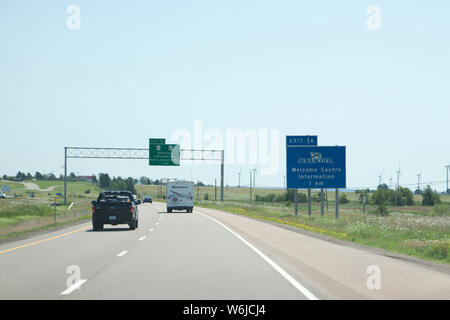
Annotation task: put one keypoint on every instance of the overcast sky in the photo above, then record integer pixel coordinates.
(142, 69)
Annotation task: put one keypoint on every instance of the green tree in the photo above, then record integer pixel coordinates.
(430, 198)
(404, 197)
(130, 182)
(383, 186)
(104, 180)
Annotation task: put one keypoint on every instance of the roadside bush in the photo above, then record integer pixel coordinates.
(400, 197)
(284, 197)
(441, 210)
(280, 198)
(437, 251)
(343, 199)
(382, 210)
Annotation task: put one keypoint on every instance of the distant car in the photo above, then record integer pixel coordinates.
(2, 195)
(147, 199)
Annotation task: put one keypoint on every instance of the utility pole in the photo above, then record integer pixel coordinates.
(239, 174)
(390, 183)
(65, 175)
(379, 179)
(284, 182)
(418, 181)
(398, 185)
(222, 175)
(250, 186)
(254, 178)
(215, 189)
(198, 189)
(448, 169)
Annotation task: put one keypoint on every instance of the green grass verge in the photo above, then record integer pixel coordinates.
(421, 235)
(43, 227)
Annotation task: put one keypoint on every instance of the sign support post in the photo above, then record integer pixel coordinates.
(337, 203)
(321, 202)
(296, 201)
(309, 202)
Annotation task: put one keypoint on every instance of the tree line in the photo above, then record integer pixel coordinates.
(20, 176)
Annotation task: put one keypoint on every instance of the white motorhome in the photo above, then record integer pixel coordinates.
(180, 195)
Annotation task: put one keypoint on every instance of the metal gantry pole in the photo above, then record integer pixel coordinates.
(65, 175)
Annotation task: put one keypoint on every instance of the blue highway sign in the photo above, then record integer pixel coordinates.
(315, 167)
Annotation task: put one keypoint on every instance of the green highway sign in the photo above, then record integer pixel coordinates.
(161, 154)
(157, 141)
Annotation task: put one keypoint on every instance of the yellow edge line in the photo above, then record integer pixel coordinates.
(44, 240)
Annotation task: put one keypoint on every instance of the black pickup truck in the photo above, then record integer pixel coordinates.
(115, 207)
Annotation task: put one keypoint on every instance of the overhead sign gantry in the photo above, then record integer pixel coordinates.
(144, 154)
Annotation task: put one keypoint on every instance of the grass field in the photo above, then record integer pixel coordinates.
(24, 214)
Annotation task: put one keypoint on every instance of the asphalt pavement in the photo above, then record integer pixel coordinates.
(207, 254)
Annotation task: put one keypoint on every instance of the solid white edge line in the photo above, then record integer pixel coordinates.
(142, 238)
(151, 230)
(122, 253)
(73, 287)
(280, 270)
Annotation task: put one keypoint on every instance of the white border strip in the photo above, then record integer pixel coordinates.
(122, 253)
(73, 287)
(286, 275)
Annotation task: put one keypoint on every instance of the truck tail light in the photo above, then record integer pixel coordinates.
(132, 208)
(93, 209)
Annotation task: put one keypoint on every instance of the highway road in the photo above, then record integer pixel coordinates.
(207, 254)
